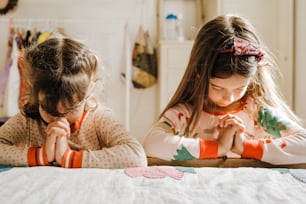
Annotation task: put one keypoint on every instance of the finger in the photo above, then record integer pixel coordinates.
(56, 131)
(50, 147)
(238, 119)
(231, 122)
(223, 119)
(59, 124)
(230, 116)
(226, 116)
(241, 127)
(61, 146)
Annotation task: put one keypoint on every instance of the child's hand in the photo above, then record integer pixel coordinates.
(231, 120)
(230, 126)
(238, 143)
(55, 130)
(225, 139)
(61, 146)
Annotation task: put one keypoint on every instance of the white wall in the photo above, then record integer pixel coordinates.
(101, 25)
(300, 54)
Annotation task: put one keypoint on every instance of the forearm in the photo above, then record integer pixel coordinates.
(119, 156)
(290, 149)
(164, 145)
(11, 155)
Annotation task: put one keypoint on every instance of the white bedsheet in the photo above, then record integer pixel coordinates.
(204, 185)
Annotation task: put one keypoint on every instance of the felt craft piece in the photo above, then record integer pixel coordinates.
(154, 172)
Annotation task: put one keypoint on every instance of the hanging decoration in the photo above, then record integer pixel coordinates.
(144, 61)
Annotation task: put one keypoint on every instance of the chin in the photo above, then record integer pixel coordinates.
(223, 105)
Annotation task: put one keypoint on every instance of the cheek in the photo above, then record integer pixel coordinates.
(72, 118)
(214, 95)
(241, 93)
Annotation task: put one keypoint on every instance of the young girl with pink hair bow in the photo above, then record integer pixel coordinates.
(227, 103)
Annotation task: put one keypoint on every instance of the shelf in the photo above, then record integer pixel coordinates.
(191, 11)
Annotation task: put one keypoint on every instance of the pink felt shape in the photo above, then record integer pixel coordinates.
(154, 172)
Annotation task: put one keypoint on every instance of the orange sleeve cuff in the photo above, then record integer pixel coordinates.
(77, 160)
(44, 156)
(208, 149)
(32, 156)
(72, 159)
(37, 156)
(252, 149)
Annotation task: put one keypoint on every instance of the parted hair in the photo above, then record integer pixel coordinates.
(62, 69)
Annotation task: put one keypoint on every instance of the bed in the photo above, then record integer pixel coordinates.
(161, 182)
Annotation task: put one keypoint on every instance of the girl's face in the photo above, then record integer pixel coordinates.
(71, 115)
(225, 92)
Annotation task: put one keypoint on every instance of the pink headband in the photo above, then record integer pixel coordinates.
(244, 47)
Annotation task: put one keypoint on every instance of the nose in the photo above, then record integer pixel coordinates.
(229, 97)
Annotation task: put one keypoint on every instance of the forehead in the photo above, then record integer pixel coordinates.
(233, 82)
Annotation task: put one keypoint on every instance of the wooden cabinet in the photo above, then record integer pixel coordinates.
(173, 54)
(173, 59)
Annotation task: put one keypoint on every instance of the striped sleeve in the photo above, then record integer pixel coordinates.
(285, 142)
(37, 156)
(72, 159)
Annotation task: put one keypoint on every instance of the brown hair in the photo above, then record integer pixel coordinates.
(62, 69)
(207, 62)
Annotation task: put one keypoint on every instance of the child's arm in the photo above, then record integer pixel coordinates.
(287, 147)
(14, 142)
(118, 148)
(23, 143)
(166, 139)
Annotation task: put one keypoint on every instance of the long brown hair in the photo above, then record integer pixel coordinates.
(60, 68)
(207, 62)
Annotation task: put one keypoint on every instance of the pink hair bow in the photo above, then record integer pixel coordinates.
(244, 47)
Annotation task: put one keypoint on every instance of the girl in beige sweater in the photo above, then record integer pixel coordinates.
(62, 124)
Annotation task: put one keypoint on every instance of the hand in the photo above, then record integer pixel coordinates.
(225, 139)
(61, 146)
(238, 143)
(56, 130)
(230, 127)
(231, 120)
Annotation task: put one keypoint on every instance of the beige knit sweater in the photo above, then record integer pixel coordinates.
(104, 141)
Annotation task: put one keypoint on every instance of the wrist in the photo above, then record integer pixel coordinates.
(72, 159)
(208, 149)
(37, 156)
(252, 149)
(222, 150)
